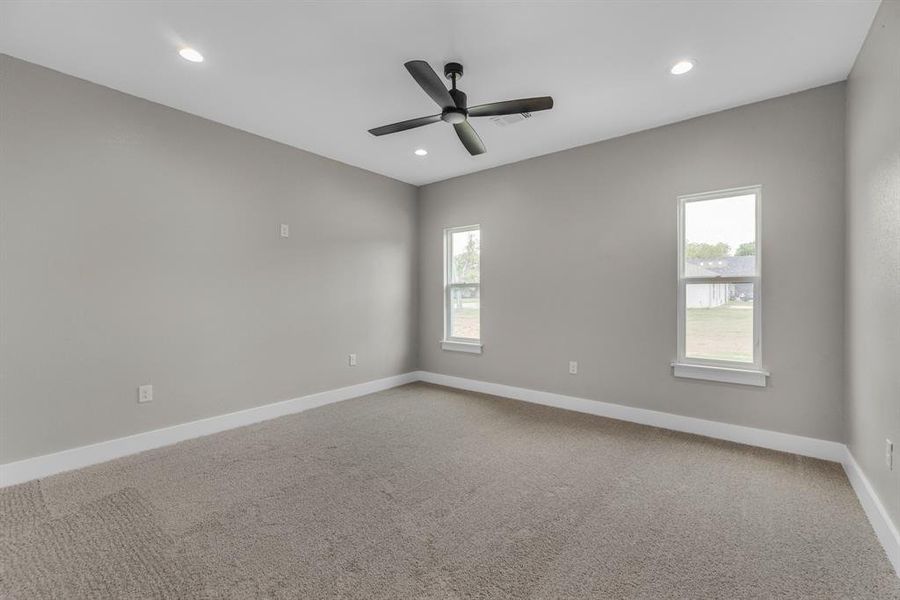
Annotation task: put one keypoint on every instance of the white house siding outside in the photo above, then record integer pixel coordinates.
(711, 295)
(707, 295)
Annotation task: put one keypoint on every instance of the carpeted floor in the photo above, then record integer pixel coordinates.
(426, 492)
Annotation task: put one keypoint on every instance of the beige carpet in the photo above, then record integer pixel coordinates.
(426, 492)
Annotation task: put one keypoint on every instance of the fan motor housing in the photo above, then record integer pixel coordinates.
(453, 115)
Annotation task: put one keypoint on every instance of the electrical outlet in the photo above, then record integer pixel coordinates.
(145, 393)
(573, 367)
(285, 230)
(889, 454)
(352, 360)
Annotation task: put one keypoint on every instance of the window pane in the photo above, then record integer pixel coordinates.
(719, 321)
(720, 237)
(465, 309)
(465, 254)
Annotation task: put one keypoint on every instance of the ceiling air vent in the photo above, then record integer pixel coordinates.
(504, 120)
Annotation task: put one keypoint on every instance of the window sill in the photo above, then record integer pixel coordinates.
(721, 374)
(470, 347)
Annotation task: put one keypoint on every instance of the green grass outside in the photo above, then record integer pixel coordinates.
(466, 322)
(721, 333)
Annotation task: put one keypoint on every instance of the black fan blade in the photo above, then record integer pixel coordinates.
(469, 138)
(511, 107)
(430, 82)
(404, 125)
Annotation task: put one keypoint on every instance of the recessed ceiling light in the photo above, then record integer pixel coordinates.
(191, 55)
(421, 152)
(681, 67)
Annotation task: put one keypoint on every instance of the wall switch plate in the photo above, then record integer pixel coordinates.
(285, 230)
(352, 360)
(145, 393)
(573, 367)
(889, 454)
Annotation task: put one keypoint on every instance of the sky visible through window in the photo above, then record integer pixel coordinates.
(725, 220)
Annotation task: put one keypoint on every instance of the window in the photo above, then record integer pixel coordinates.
(719, 287)
(462, 289)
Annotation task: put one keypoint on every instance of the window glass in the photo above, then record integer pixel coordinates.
(720, 237)
(466, 254)
(719, 321)
(462, 293)
(465, 312)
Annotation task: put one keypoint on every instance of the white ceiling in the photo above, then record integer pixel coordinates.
(318, 75)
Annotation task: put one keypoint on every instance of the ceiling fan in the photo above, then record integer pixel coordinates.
(454, 109)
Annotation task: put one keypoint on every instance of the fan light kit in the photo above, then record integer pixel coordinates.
(454, 109)
(191, 55)
(681, 67)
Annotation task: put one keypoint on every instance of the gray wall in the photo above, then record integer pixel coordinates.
(873, 254)
(140, 244)
(578, 263)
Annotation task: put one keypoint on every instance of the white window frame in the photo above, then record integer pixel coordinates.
(449, 342)
(720, 370)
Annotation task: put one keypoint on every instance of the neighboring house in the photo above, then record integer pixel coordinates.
(710, 295)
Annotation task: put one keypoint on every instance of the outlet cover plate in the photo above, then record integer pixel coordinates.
(145, 393)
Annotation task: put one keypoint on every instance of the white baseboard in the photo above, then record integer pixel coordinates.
(83, 456)
(785, 442)
(881, 522)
